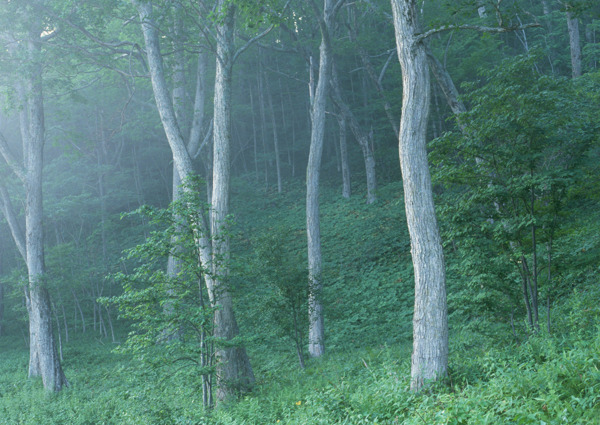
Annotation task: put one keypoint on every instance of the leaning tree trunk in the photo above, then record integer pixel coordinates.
(430, 321)
(44, 360)
(234, 372)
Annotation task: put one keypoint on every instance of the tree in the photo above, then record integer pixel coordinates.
(234, 372)
(318, 103)
(574, 43)
(43, 358)
(430, 320)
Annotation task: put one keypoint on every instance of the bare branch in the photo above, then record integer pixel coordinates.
(13, 222)
(207, 138)
(426, 34)
(251, 41)
(11, 160)
(259, 36)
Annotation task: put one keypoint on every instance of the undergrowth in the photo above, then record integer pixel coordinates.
(547, 378)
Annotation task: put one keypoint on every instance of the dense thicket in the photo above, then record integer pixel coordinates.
(222, 197)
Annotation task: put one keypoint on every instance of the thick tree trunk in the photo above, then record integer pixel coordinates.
(43, 360)
(430, 322)
(573, 26)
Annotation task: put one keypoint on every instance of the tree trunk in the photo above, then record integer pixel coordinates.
(275, 141)
(234, 373)
(430, 321)
(43, 359)
(316, 330)
(1, 309)
(346, 186)
(573, 26)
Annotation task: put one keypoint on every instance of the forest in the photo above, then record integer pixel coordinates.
(300, 212)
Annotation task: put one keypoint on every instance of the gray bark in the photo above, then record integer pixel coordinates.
(13, 222)
(1, 308)
(316, 330)
(447, 85)
(234, 372)
(275, 141)
(430, 321)
(346, 186)
(43, 360)
(573, 26)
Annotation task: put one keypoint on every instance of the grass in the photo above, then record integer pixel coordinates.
(364, 376)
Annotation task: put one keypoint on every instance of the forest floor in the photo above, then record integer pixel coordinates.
(494, 378)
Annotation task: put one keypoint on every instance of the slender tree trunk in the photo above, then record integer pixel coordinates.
(573, 26)
(346, 186)
(430, 320)
(275, 142)
(316, 329)
(1, 309)
(254, 136)
(13, 222)
(263, 118)
(234, 373)
(78, 305)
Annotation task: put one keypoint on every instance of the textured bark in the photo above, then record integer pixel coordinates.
(316, 330)
(174, 264)
(43, 360)
(234, 372)
(573, 26)
(430, 322)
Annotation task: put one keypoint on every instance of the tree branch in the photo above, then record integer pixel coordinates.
(10, 159)
(13, 222)
(259, 36)
(481, 28)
